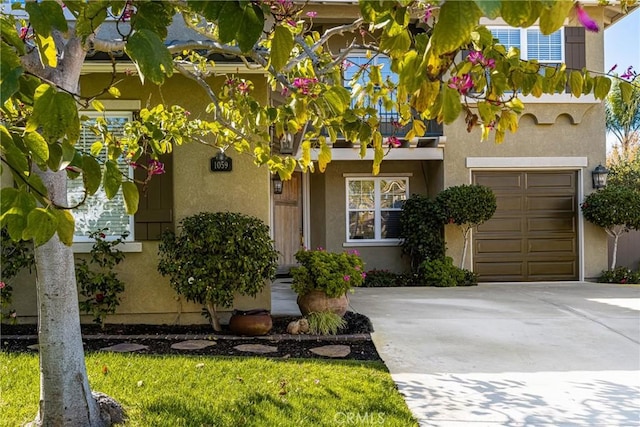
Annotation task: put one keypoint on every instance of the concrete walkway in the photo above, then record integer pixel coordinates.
(519, 354)
(510, 354)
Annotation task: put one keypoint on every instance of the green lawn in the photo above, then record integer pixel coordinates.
(199, 391)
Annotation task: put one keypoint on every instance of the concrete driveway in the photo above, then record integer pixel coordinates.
(512, 354)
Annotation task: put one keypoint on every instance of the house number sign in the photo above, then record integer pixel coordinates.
(221, 163)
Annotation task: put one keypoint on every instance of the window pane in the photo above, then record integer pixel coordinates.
(361, 195)
(97, 212)
(392, 193)
(361, 225)
(390, 224)
(544, 48)
(508, 37)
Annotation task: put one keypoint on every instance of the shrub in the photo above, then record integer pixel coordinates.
(421, 230)
(467, 206)
(620, 275)
(14, 257)
(99, 284)
(380, 279)
(325, 323)
(217, 255)
(442, 273)
(333, 273)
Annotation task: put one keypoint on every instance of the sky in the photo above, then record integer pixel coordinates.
(622, 47)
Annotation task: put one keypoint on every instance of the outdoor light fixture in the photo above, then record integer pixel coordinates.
(286, 143)
(599, 176)
(277, 184)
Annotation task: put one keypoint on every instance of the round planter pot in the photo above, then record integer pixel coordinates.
(318, 301)
(250, 323)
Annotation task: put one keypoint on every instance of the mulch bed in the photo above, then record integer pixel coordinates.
(159, 338)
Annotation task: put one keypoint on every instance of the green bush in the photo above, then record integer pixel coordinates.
(14, 257)
(333, 273)
(621, 275)
(217, 255)
(325, 323)
(442, 273)
(381, 279)
(421, 230)
(99, 284)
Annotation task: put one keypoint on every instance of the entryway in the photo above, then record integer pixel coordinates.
(287, 222)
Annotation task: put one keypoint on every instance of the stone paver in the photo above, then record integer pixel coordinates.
(125, 347)
(332, 350)
(256, 348)
(192, 345)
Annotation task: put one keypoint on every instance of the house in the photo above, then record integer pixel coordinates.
(540, 175)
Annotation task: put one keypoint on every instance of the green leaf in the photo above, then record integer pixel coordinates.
(451, 106)
(47, 50)
(56, 113)
(55, 157)
(396, 45)
(41, 226)
(250, 27)
(90, 17)
(114, 91)
(150, 55)
(419, 128)
(8, 196)
(489, 8)
(153, 16)
(35, 182)
(602, 87)
(456, 21)
(10, 35)
(281, 46)
(131, 197)
(626, 90)
(209, 9)
(112, 179)
(97, 105)
(521, 13)
(552, 18)
(91, 174)
(10, 72)
(66, 225)
(228, 22)
(45, 15)
(324, 156)
(37, 145)
(338, 98)
(575, 83)
(12, 154)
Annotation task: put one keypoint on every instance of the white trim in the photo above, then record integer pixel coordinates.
(392, 243)
(551, 98)
(306, 211)
(220, 68)
(422, 153)
(117, 105)
(85, 247)
(368, 175)
(527, 162)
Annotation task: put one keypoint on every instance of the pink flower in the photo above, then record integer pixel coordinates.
(629, 73)
(23, 32)
(462, 83)
(2, 285)
(427, 14)
(312, 14)
(396, 124)
(99, 298)
(103, 236)
(244, 88)
(363, 274)
(346, 278)
(155, 167)
(393, 142)
(477, 58)
(585, 19)
(612, 69)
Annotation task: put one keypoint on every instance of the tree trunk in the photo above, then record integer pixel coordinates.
(615, 251)
(213, 317)
(465, 236)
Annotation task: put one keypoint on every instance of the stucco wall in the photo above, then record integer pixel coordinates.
(329, 198)
(148, 297)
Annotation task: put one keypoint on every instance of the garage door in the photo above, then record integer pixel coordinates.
(533, 234)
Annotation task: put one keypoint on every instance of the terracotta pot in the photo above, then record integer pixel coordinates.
(317, 301)
(250, 323)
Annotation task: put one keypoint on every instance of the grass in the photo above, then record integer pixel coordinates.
(199, 391)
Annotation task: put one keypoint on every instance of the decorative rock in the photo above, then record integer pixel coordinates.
(125, 347)
(34, 347)
(110, 410)
(332, 350)
(256, 348)
(192, 345)
(300, 326)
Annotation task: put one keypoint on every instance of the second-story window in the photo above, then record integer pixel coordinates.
(547, 49)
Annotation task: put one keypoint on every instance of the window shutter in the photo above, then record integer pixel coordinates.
(155, 210)
(574, 46)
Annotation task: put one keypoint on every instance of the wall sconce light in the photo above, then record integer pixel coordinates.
(286, 143)
(277, 183)
(599, 176)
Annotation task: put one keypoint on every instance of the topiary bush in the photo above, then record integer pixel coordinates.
(215, 256)
(467, 206)
(421, 230)
(381, 279)
(616, 208)
(442, 273)
(621, 275)
(333, 273)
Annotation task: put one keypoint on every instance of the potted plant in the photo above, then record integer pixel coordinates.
(216, 256)
(323, 279)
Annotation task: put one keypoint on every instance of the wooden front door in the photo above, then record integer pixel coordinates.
(287, 220)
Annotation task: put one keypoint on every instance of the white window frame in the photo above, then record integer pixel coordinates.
(377, 208)
(78, 238)
(524, 51)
